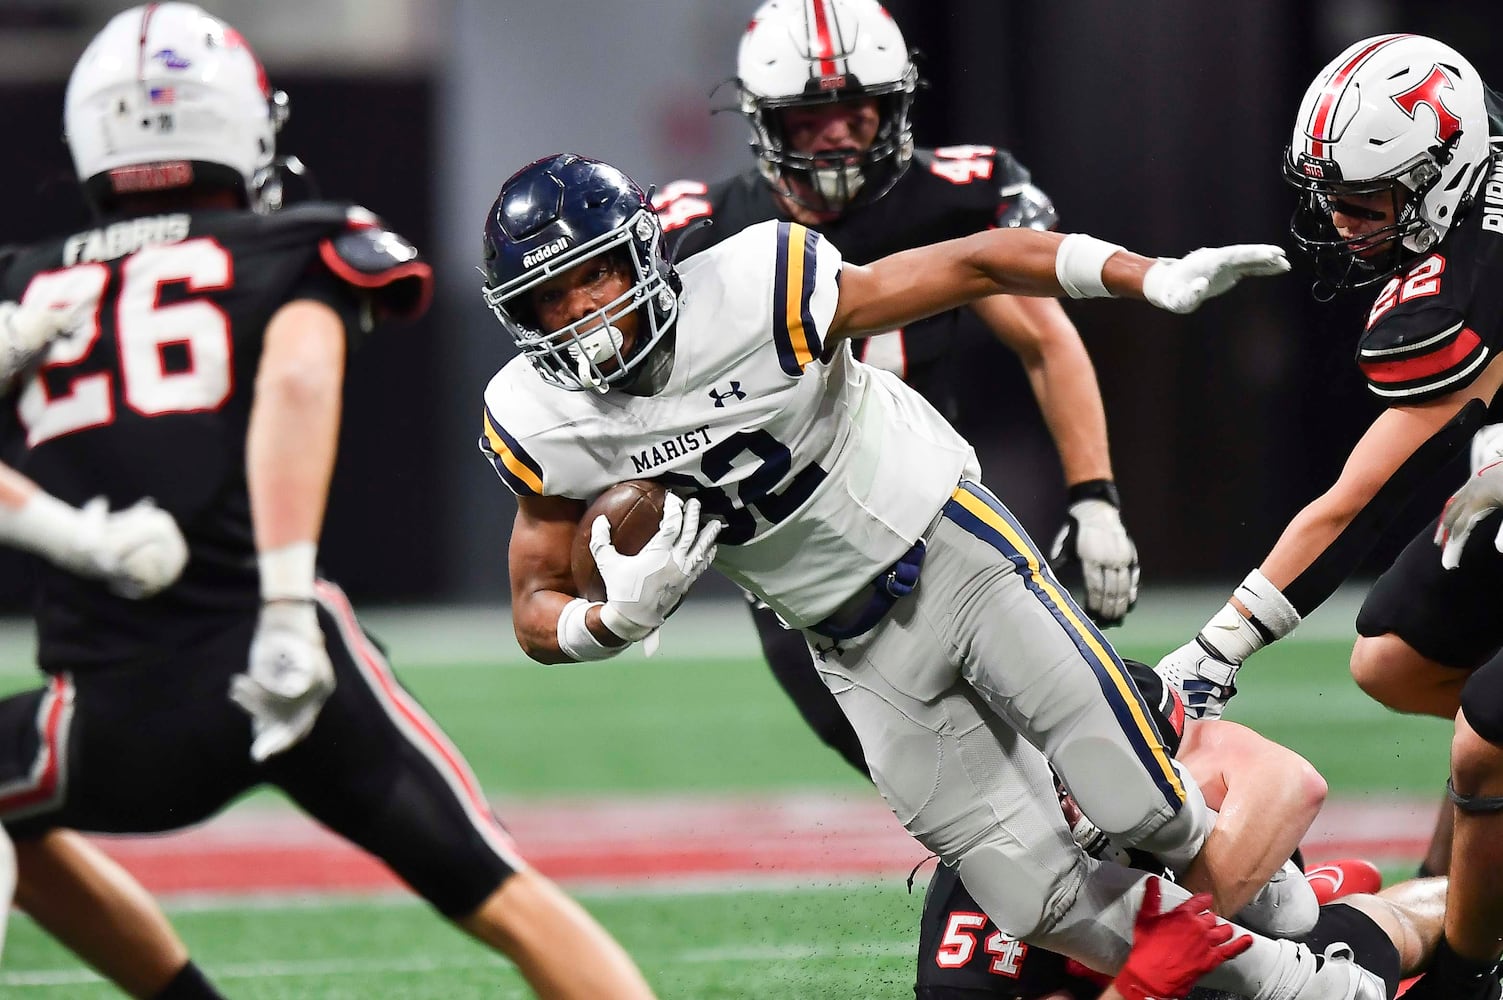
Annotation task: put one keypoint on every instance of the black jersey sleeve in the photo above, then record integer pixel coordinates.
(1416, 355)
(385, 270)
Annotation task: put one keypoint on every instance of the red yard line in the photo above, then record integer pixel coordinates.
(646, 840)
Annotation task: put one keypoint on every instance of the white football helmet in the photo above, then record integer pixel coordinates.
(806, 52)
(1402, 114)
(167, 96)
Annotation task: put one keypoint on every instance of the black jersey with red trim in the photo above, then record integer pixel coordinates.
(1434, 328)
(151, 396)
(946, 193)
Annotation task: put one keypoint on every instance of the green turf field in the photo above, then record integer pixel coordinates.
(676, 724)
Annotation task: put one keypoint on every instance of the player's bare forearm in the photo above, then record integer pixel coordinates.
(542, 579)
(294, 423)
(1266, 796)
(1378, 458)
(907, 286)
(1061, 375)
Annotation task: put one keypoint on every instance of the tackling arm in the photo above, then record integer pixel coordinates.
(1324, 542)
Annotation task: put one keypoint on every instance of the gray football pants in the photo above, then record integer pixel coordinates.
(967, 691)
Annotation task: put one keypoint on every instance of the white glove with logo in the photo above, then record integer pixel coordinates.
(1181, 284)
(27, 329)
(1203, 669)
(641, 591)
(1481, 495)
(288, 679)
(1093, 535)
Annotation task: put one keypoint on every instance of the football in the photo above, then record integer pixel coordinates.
(634, 510)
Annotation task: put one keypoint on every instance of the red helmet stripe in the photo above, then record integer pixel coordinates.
(151, 9)
(1320, 118)
(824, 47)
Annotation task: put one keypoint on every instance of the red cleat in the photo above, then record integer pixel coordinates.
(1335, 879)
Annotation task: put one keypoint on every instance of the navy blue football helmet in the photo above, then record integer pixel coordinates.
(553, 215)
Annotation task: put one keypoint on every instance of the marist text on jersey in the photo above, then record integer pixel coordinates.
(675, 447)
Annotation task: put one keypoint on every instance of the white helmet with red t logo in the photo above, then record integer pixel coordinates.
(167, 96)
(802, 53)
(1402, 114)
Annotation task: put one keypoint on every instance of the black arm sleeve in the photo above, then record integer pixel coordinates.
(1319, 581)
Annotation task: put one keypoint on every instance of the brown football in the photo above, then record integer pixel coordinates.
(634, 510)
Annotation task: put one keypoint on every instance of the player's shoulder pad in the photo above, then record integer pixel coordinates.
(365, 254)
(1418, 345)
(801, 286)
(539, 438)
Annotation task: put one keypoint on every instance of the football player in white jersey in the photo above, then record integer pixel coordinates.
(837, 495)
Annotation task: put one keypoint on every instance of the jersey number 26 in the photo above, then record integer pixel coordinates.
(144, 329)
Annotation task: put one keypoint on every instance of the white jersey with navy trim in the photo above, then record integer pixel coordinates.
(824, 469)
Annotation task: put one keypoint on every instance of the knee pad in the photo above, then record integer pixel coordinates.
(1179, 839)
(1022, 899)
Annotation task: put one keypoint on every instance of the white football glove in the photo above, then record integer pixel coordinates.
(1481, 495)
(26, 329)
(1181, 284)
(1203, 670)
(1202, 676)
(1093, 535)
(137, 552)
(288, 679)
(641, 591)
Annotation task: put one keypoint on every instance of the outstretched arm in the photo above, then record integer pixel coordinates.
(906, 286)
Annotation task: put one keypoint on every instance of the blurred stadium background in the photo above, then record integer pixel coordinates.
(1159, 124)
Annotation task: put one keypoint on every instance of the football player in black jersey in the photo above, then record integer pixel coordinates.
(1400, 190)
(826, 87)
(209, 377)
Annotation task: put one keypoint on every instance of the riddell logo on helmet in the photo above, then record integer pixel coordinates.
(832, 82)
(1313, 170)
(151, 176)
(544, 252)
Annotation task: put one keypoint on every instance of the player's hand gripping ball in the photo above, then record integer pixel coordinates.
(634, 509)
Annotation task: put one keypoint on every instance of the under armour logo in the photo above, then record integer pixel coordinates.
(823, 652)
(734, 392)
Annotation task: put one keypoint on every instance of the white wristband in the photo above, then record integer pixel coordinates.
(43, 524)
(1236, 637)
(1270, 609)
(287, 573)
(575, 640)
(1077, 265)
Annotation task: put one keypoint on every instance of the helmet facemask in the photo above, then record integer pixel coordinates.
(1354, 262)
(835, 180)
(590, 353)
